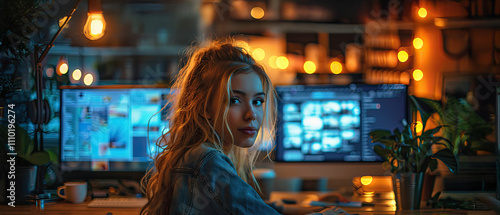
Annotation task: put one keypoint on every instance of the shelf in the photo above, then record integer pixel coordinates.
(117, 51)
(449, 23)
(289, 27)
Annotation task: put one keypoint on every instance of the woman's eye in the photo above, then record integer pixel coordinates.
(258, 102)
(234, 100)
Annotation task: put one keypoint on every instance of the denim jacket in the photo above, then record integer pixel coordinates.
(205, 182)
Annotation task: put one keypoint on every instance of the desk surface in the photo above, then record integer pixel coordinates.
(62, 207)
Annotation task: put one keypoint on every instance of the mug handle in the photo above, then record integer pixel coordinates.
(59, 192)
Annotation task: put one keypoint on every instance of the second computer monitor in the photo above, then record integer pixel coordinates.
(332, 123)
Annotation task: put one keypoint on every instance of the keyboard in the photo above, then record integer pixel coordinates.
(117, 203)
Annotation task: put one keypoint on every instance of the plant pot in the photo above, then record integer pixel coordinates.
(25, 183)
(407, 190)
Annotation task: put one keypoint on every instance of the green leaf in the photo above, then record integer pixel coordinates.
(39, 158)
(447, 157)
(416, 106)
(382, 152)
(433, 131)
(377, 134)
(53, 157)
(433, 164)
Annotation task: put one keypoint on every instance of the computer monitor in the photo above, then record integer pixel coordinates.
(107, 131)
(332, 123)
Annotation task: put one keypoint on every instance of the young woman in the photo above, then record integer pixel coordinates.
(222, 111)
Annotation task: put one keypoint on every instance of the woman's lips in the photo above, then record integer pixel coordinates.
(250, 132)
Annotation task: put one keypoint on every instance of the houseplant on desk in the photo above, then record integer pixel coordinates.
(410, 153)
(25, 161)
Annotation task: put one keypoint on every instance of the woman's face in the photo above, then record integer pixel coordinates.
(245, 110)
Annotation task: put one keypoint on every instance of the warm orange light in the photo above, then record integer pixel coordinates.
(88, 79)
(402, 56)
(392, 58)
(258, 54)
(418, 43)
(77, 74)
(422, 12)
(404, 78)
(62, 20)
(62, 66)
(243, 44)
(366, 180)
(309, 67)
(418, 126)
(272, 62)
(282, 62)
(418, 75)
(336, 67)
(257, 13)
(95, 26)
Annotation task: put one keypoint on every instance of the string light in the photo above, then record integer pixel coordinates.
(88, 79)
(418, 43)
(402, 56)
(62, 66)
(309, 67)
(259, 54)
(418, 126)
(418, 74)
(282, 62)
(336, 67)
(272, 62)
(366, 180)
(422, 12)
(257, 13)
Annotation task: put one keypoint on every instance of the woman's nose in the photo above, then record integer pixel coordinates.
(251, 114)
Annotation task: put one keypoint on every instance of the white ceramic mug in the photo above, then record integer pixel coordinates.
(74, 192)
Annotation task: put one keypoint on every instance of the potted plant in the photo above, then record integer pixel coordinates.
(466, 129)
(26, 162)
(410, 153)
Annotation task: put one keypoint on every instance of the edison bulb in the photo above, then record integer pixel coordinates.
(95, 26)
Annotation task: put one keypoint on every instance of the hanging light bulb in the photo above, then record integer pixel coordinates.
(62, 66)
(95, 26)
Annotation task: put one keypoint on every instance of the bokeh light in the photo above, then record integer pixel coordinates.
(257, 13)
(402, 56)
(418, 43)
(259, 54)
(282, 62)
(418, 74)
(309, 67)
(88, 79)
(336, 67)
(422, 12)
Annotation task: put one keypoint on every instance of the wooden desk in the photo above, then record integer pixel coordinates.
(382, 207)
(62, 207)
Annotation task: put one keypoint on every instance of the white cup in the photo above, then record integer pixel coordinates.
(265, 178)
(74, 192)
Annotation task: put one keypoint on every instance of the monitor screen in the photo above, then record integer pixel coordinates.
(105, 128)
(332, 123)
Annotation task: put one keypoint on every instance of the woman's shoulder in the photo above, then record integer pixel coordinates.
(198, 156)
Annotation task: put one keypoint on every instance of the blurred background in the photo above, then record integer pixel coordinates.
(438, 48)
